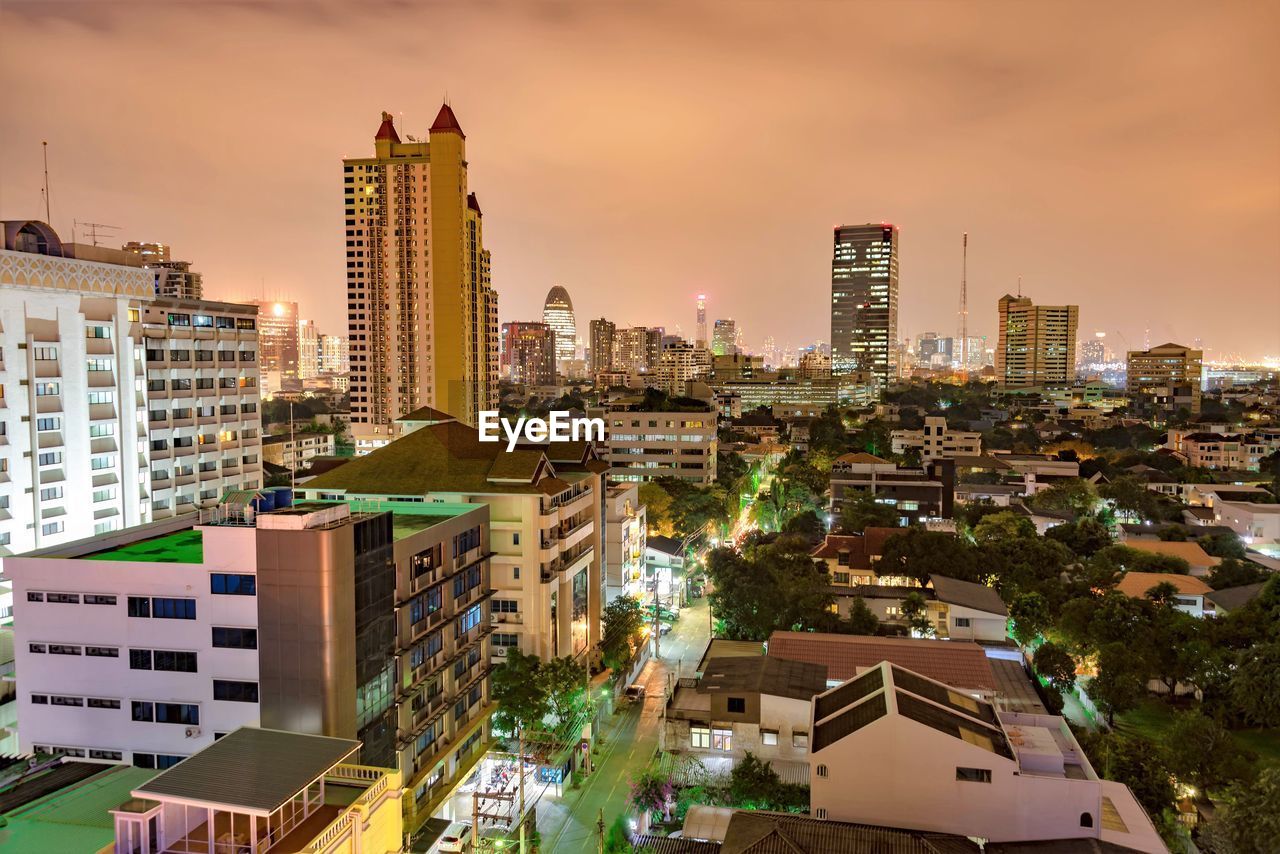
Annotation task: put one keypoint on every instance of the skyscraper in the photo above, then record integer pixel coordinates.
(602, 338)
(308, 350)
(864, 300)
(278, 334)
(557, 312)
(422, 317)
(1037, 343)
(637, 349)
(529, 352)
(701, 340)
(724, 340)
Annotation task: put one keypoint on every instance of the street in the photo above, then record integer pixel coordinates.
(630, 739)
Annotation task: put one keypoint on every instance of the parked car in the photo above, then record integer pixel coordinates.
(635, 693)
(456, 840)
(664, 613)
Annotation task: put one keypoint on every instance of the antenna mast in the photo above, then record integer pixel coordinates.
(964, 309)
(94, 228)
(44, 148)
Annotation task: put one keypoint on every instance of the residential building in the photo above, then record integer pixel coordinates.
(679, 364)
(814, 366)
(254, 619)
(1165, 379)
(936, 441)
(864, 301)
(172, 278)
(1037, 343)
(529, 353)
(90, 363)
(278, 338)
(953, 763)
(265, 790)
(602, 342)
(764, 390)
(724, 338)
(1191, 591)
(546, 509)
(644, 445)
(150, 253)
(721, 830)
(1200, 561)
(295, 451)
(917, 493)
(735, 366)
(664, 565)
(962, 665)
(1255, 522)
(557, 313)
(422, 316)
(1233, 598)
(625, 530)
(637, 349)
(745, 704)
(334, 357)
(308, 350)
(1231, 451)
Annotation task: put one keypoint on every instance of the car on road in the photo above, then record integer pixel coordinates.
(635, 693)
(456, 840)
(663, 614)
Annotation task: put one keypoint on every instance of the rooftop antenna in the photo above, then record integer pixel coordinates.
(94, 227)
(964, 309)
(44, 149)
(1019, 286)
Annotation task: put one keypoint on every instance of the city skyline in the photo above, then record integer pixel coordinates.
(1027, 170)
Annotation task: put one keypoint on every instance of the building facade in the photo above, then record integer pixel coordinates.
(864, 301)
(935, 440)
(529, 353)
(643, 445)
(1037, 343)
(422, 317)
(602, 336)
(557, 313)
(636, 349)
(1165, 379)
(724, 338)
(278, 336)
(916, 493)
(625, 529)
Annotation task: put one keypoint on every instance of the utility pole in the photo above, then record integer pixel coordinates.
(657, 623)
(524, 843)
(475, 821)
(600, 830)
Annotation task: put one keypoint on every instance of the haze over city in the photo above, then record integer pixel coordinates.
(639, 155)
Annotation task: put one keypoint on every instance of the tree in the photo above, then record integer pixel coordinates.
(1248, 821)
(1178, 651)
(1121, 681)
(1001, 527)
(1235, 573)
(753, 784)
(915, 610)
(652, 792)
(1224, 545)
(1072, 495)
(771, 588)
(1131, 497)
(657, 507)
(1030, 616)
(1083, 536)
(519, 692)
(622, 624)
(1255, 685)
(861, 620)
(806, 524)
(564, 681)
(1202, 752)
(918, 553)
(1056, 665)
(861, 511)
(1136, 763)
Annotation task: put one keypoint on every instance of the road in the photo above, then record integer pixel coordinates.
(630, 738)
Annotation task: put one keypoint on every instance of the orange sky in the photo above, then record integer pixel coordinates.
(1122, 156)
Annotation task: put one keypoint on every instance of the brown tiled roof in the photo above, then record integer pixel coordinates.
(426, 413)
(777, 677)
(1188, 551)
(1136, 584)
(1231, 598)
(447, 121)
(961, 664)
(859, 546)
(387, 130)
(859, 458)
(966, 594)
(758, 832)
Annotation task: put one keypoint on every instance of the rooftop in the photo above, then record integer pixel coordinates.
(250, 769)
(186, 546)
(1136, 584)
(777, 677)
(1231, 598)
(961, 664)
(75, 818)
(1191, 552)
(761, 832)
(967, 594)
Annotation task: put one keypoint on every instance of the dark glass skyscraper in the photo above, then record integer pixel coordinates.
(864, 300)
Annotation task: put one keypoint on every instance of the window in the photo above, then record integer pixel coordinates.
(973, 775)
(102, 703)
(799, 739)
(40, 699)
(32, 596)
(113, 755)
(49, 458)
(173, 609)
(139, 606)
(699, 736)
(37, 648)
(98, 332)
(44, 354)
(139, 659)
(769, 737)
(233, 584)
(821, 812)
(503, 639)
(230, 638)
(737, 705)
(822, 770)
(64, 649)
(49, 423)
(156, 760)
(102, 651)
(1086, 819)
(962, 622)
(175, 661)
(46, 389)
(237, 692)
(51, 493)
(504, 606)
(469, 620)
(66, 701)
(65, 598)
(99, 599)
(166, 713)
(721, 739)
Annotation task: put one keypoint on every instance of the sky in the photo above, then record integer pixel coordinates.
(1121, 156)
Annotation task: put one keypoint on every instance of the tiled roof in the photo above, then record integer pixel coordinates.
(966, 594)
(1136, 584)
(859, 546)
(666, 545)
(426, 413)
(1231, 598)
(758, 832)
(859, 458)
(961, 664)
(447, 121)
(777, 677)
(1188, 551)
(387, 130)
(672, 845)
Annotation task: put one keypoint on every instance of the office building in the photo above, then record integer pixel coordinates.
(936, 441)
(146, 645)
(295, 451)
(1037, 344)
(645, 445)
(602, 334)
(308, 350)
(814, 365)
(701, 339)
(421, 315)
(1093, 351)
(529, 353)
(735, 366)
(557, 313)
(545, 541)
(768, 390)
(333, 356)
(724, 338)
(103, 385)
(864, 301)
(278, 339)
(1165, 379)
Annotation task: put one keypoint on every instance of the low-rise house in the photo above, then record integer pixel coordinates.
(961, 664)
(262, 790)
(664, 567)
(1200, 561)
(1254, 522)
(625, 529)
(917, 494)
(1191, 598)
(1231, 599)
(936, 441)
(746, 703)
(850, 559)
(949, 763)
(969, 611)
(1231, 451)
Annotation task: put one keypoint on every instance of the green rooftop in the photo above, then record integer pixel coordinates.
(180, 547)
(76, 818)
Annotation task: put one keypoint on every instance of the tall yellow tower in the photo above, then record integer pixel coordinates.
(422, 317)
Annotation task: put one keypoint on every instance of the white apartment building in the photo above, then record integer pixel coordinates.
(1228, 451)
(680, 363)
(94, 375)
(951, 763)
(625, 530)
(935, 440)
(643, 445)
(293, 452)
